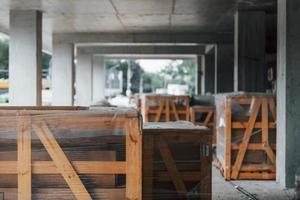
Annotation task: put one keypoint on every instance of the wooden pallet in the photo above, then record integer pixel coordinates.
(176, 161)
(246, 136)
(207, 118)
(165, 108)
(62, 154)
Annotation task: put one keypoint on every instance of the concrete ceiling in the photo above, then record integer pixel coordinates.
(134, 16)
(61, 16)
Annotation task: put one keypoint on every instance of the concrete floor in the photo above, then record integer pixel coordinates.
(262, 190)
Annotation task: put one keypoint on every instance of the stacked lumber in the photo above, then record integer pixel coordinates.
(204, 116)
(176, 161)
(59, 153)
(165, 108)
(246, 135)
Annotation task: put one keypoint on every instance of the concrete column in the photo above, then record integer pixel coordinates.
(224, 66)
(84, 80)
(99, 78)
(200, 71)
(288, 96)
(249, 42)
(25, 60)
(208, 80)
(63, 75)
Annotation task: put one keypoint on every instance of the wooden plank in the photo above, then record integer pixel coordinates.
(66, 194)
(170, 165)
(187, 176)
(133, 160)
(82, 167)
(257, 168)
(242, 125)
(208, 117)
(273, 108)
(258, 146)
(257, 176)
(24, 157)
(161, 107)
(265, 121)
(227, 167)
(246, 138)
(61, 161)
(168, 116)
(193, 115)
(175, 111)
(270, 153)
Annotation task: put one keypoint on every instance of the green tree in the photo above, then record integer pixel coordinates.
(4, 53)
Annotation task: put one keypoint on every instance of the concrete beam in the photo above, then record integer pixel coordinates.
(143, 38)
(25, 60)
(143, 50)
(99, 78)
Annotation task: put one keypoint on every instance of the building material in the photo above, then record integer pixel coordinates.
(246, 135)
(176, 161)
(165, 108)
(204, 116)
(70, 154)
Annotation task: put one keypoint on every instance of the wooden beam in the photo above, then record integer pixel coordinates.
(82, 167)
(61, 161)
(24, 157)
(133, 160)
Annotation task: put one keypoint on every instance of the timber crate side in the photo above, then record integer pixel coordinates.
(246, 135)
(176, 161)
(165, 108)
(70, 154)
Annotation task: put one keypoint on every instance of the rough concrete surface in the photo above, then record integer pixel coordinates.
(262, 190)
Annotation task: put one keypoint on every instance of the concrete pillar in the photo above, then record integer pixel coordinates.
(63, 75)
(288, 96)
(249, 55)
(84, 80)
(25, 60)
(200, 71)
(99, 78)
(224, 66)
(208, 80)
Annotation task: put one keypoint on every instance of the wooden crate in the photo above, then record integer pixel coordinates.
(246, 135)
(70, 154)
(176, 161)
(165, 108)
(204, 116)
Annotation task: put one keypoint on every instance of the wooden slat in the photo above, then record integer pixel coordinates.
(273, 108)
(66, 194)
(257, 176)
(242, 125)
(191, 176)
(82, 167)
(257, 167)
(175, 111)
(24, 158)
(133, 160)
(259, 146)
(246, 138)
(61, 161)
(208, 118)
(228, 139)
(265, 121)
(161, 107)
(170, 165)
(270, 153)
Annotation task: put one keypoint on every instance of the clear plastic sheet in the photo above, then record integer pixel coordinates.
(60, 153)
(176, 161)
(240, 116)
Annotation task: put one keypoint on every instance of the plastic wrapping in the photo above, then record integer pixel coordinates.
(165, 108)
(246, 135)
(70, 154)
(176, 161)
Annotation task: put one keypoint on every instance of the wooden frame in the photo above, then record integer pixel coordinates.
(164, 108)
(246, 141)
(29, 123)
(208, 120)
(159, 141)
